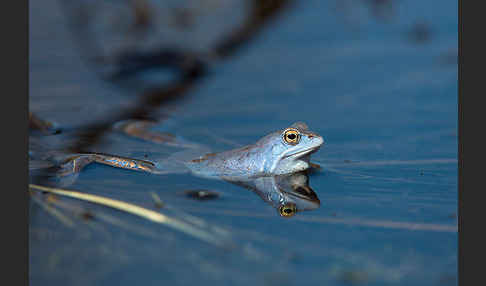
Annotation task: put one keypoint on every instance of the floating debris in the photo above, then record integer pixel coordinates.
(88, 215)
(158, 202)
(202, 195)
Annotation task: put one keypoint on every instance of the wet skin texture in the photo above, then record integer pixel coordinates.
(281, 152)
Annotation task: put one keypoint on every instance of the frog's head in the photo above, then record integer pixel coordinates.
(291, 149)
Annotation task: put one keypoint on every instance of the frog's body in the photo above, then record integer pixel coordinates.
(271, 155)
(281, 152)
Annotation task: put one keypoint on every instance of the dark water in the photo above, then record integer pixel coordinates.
(386, 105)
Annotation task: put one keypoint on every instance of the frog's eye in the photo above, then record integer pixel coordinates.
(287, 210)
(291, 136)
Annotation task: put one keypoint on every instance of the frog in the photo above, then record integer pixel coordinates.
(275, 167)
(281, 152)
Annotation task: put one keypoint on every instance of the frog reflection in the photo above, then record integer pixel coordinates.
(288, 193)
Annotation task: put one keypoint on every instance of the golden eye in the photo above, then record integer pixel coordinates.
(291, 136)
(287, 210)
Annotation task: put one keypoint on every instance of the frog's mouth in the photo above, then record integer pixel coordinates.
(302, 153)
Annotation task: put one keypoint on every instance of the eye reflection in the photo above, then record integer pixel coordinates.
(287, 210)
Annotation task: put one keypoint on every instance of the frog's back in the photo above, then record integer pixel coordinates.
(246, 161)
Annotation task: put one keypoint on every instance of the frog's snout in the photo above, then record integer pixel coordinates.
(317, 139)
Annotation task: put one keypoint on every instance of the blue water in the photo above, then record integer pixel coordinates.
(386, 107)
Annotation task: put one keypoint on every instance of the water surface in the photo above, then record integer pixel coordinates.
(385, 105)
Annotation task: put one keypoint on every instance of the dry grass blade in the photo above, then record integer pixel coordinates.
(136, 210)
